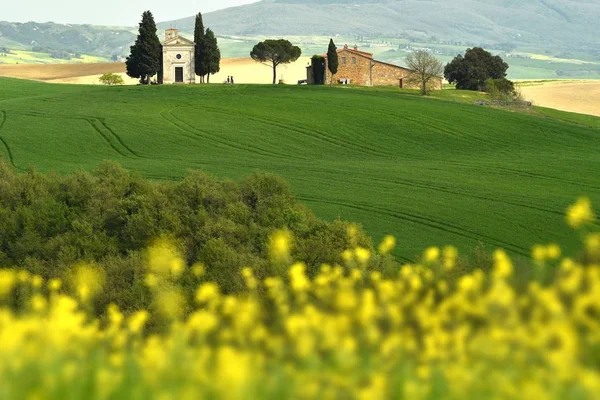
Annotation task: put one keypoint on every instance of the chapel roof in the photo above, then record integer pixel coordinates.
(178, 41)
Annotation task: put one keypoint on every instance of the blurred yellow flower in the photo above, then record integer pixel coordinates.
(87, 280)
(137, 321)
(592, 244)
(37, 281)
(387, 245)
(431, 255)
(280, 246)
(7, 282)
(363, 256)
(580, 213)
(503, 267)
(54, 284)
(198, 270)
(450, 255)
(207, 292)
(164, 259)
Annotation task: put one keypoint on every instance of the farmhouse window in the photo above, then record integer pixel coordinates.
(343, 60)
(353, 60)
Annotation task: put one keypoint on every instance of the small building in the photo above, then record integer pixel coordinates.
(178, 59)
(359, 68)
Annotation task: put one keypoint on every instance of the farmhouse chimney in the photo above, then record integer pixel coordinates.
(355, 47)
(171, 34)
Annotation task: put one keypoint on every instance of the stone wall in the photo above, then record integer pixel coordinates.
(170, 62)
(356, 68)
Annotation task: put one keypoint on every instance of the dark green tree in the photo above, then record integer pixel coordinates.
(144, 60)
(212, 54)
(275, 53)
(332, 60)
(318, 69)
(471, 71)
(199, 50)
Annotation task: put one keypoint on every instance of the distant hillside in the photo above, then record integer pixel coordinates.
(541, 23)
(62, 40)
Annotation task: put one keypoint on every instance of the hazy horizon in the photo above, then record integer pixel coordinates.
(109, 12)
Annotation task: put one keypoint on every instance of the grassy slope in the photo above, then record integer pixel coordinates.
(428, 171)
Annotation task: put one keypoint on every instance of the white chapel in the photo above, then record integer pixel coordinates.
(178, 65)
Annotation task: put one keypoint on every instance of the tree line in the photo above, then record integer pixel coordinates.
(145, 59)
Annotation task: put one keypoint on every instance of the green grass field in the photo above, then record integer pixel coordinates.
(430, 171)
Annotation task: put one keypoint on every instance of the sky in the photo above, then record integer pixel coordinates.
(107, 12)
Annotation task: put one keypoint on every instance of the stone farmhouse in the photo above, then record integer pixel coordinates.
(359, 68)
(178, 55)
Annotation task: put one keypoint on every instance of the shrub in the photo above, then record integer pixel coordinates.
(111, 79)
(109, 217)
(501, 88)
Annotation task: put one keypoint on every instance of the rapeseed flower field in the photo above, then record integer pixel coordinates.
(426, 332)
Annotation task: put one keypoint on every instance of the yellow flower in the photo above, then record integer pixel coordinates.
(299, 280)
(37, 281)
(431, 255)
(54, 284)
(151, 280)
(207, 292)
(88, 281)
(7, 282)
(503, 267)
(164, 259)
(592, 244)
(450, 257)
(387, 245)
(580, 213)
(38, 303)
(352, 231)
(137, 321)
(362, 255)
(539, 253)
(553, 251)
(280, 245)
(23, 276)
(198, 270)
(170, 303)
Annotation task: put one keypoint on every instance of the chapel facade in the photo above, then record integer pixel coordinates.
(178, 59)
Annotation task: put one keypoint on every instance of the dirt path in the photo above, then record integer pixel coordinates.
(583, 98)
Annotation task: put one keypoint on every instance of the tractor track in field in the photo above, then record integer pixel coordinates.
(124, 151)
(308, 132)
(199, 134)
(119, 139)
(92, 123)
(521, 173)
(11, 158)
(422, 220)
(445, 189)
(449, 190)
(437, 128)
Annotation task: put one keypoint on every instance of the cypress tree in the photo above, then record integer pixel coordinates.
(332, 60)
(144, 60)
(199, 50)
(212, 54)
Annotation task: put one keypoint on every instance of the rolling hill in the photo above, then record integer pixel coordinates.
(61, 41)
(543, 23)
(427, 170)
